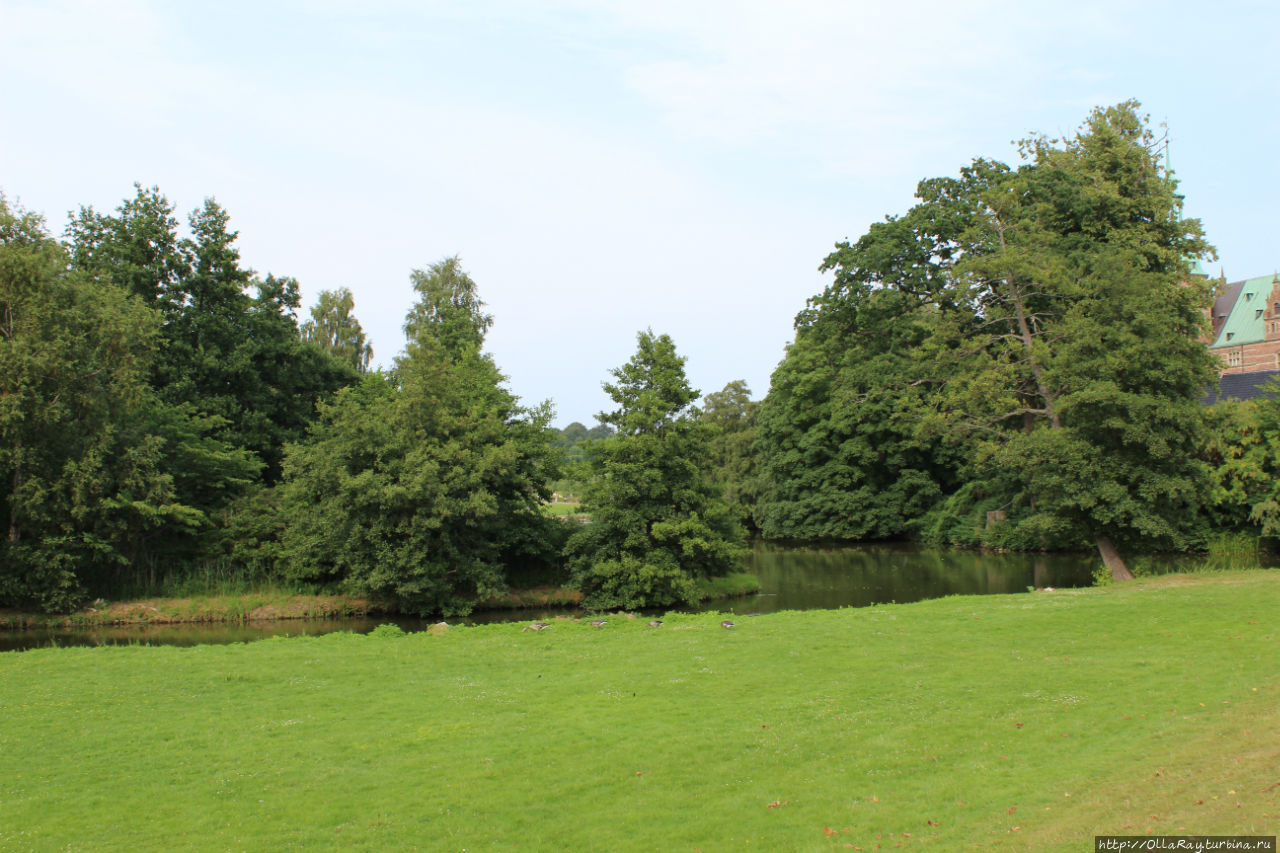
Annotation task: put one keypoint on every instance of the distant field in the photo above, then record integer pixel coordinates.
(1018, 722)
(563, 508)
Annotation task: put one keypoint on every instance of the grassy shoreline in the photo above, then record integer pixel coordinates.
(977, 722)
(274, 605)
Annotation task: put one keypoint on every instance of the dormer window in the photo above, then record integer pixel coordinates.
(1257, 315)
(1230, 335)
(1248, 297)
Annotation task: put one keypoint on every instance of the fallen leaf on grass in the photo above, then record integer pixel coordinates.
(933, 823)
(776, 803)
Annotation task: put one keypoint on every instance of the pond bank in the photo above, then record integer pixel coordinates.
(267, 606)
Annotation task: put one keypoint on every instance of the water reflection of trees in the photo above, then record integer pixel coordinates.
(842, 575)
(834, 575)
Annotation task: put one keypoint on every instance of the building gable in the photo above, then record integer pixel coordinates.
(1247, 321)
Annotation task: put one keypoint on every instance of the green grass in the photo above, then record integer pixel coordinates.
(1015, 722)
(263, 604)
(562, 508)
(739, 583)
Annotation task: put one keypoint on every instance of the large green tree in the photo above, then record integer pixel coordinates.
(231, 343)
(840, 450)
(1085, 325)
(1050, 333)
(657, 520)
(424, 486)
(87, 452)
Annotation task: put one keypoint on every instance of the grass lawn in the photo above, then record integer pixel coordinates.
(1011, 722)
(563, 508)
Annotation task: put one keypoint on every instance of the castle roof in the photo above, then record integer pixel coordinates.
(1223, 304)
(1243, 323)
(1242, 386)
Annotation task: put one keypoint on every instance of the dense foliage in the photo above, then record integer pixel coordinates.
(1014, 362)
(1242, 447)
(102, 477)
(572, 440)
(149, 382)
(231, 344)
(1038, 323)
(334, 328)
(657, 521)
(734, 416)
(424, 486)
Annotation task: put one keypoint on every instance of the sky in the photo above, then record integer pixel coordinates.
(602, 168)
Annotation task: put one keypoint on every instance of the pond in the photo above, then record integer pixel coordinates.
(792, 577)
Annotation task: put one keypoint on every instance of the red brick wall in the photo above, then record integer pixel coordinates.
(1264, 355)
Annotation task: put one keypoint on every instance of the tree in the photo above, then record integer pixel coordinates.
(334, 328)
(232, 348)
(138, 248)
(86, 450)
(733, 458)
(424, 486)
(572, 440)
(1092, 327)
(841, 453)
(1063, 335)
(657, 522)
(1242, 447)
(449, 309)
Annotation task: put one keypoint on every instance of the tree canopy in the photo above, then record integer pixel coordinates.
(657, 521)
(425, 486)
(94, 465)
(232, 347)
(334, 328)
(1025, 341)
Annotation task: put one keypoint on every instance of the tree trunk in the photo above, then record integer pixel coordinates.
(1111, 558)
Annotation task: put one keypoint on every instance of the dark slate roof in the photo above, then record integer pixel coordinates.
(1241, 386)
(1223, 304)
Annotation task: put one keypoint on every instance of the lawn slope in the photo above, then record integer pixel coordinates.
(1017, 722)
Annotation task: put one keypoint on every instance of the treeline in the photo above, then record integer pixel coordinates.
(1015, 362)
(162, 412)
(147, 383)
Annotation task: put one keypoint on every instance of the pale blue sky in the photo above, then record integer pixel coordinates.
(603, 168)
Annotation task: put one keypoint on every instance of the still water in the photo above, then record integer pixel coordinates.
(792, 577)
